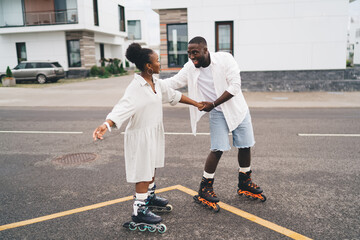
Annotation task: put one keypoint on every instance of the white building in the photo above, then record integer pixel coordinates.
(76, 33)
(263, 35)
(354, 32)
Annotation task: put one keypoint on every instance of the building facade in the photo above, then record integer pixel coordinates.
(278, 40)
(76, 33)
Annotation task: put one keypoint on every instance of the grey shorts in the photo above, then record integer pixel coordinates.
(243, 135)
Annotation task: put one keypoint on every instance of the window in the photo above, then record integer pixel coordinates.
(11, 13)
(102, 53)
(30, 65)
(122, 18)
(21, 52)
(43, 65)
(96, 13)
(20, 66)
(134, 29)
(74, 56)
(224, 37)
(177, 42)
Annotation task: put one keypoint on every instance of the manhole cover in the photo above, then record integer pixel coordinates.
(75, 158)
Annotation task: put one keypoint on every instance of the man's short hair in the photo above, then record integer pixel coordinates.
(198, 40)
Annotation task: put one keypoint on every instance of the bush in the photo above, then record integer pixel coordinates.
(8, 72)
(127, 64)
(103, 72)
(348, 63)
(94, 71)
(122, 70)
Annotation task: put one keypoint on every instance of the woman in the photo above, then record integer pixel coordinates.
(144, 134)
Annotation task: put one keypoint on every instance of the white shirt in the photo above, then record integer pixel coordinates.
(206, 85)
(144, 135)
(226, 76)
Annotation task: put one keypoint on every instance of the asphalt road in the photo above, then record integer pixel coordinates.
(311, 182)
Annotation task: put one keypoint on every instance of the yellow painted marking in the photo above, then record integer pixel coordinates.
(191, 192)
(65, 213)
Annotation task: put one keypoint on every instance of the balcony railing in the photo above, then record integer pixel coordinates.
(51, 17)
(68, 16)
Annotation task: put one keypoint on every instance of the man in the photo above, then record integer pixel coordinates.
(215, 77)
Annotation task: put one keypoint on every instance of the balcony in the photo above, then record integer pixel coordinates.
(68, 16)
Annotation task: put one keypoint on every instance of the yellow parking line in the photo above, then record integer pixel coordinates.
(62, 214)
(224, 206)
(251, 217)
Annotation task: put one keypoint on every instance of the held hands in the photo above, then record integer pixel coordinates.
(206, 106)
(99, 132)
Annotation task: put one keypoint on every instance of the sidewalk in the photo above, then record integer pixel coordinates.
(107, 92)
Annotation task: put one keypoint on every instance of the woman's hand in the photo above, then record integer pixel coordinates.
(99, 132)
(207, 106)
(200, 106)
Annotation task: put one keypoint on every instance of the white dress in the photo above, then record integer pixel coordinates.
(144, 135)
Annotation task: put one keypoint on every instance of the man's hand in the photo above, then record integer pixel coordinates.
(208, 106)
(99, 132)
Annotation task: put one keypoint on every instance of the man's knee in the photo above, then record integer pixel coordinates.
(217, 153)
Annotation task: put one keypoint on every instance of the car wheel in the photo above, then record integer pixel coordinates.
(41, 79)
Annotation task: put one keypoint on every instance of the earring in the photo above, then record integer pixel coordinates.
(150, 71)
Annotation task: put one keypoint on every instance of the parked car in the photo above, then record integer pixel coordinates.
(41, 71)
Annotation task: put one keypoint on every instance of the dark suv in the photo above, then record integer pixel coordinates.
(41, 71)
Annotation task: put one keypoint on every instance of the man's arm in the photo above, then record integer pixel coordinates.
(211, 105)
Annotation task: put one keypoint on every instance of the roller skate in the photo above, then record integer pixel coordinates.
(158, 204)
(206, 195)
(145, 220)
(248, 188)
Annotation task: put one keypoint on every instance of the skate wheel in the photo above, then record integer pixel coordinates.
(152, 229)
(142, 227)
(217, 208)
(132, 226)
(263, 199)
(162, 228)
(169, 207)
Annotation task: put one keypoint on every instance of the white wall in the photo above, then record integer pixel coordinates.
(274, 34)
(43, 46)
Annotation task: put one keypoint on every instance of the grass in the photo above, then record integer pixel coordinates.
(34, 84)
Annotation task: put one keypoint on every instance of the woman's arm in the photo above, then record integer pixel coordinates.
(187, 100)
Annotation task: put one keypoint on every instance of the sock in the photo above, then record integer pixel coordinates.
(139, 200)
(151, 189)
(208, 175)
(244, 169)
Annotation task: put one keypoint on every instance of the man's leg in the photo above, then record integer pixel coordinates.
(243, 137)
(245, 182)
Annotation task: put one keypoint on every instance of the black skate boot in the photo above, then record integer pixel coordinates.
(157, 204)
(207, 195)
(248, 188)
(145, 220)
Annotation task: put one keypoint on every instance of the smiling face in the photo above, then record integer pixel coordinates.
(155, 63)
(198, 54)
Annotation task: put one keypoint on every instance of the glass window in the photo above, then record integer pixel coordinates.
(224, 36)
(11, 13)
(56, 64)
(96, 13)
(43, 65)
(20, 66)
(21, 52)
(30, 65)
(122, 18)
(74, 56)
(134, 29)
(177, 42)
